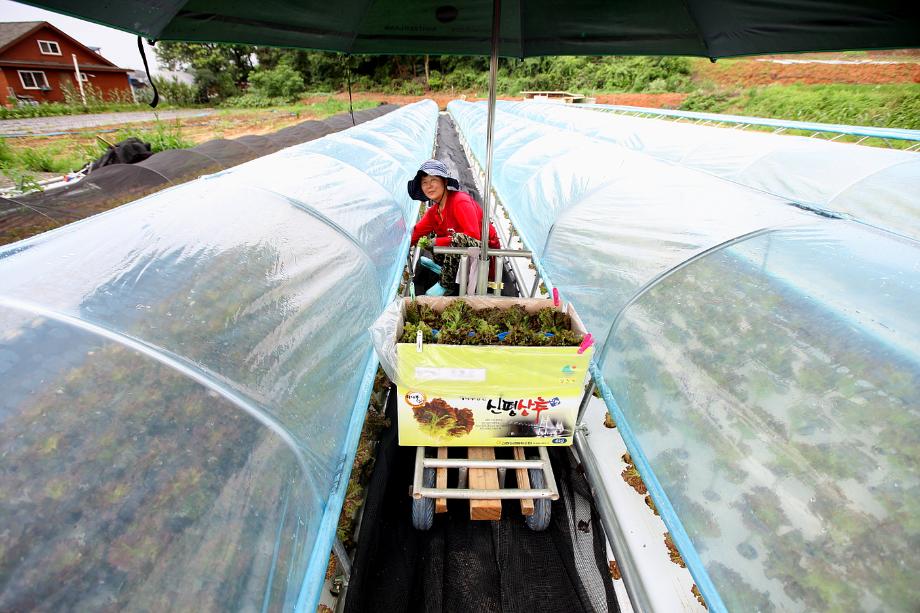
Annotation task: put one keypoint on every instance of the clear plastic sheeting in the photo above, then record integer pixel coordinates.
(878, 186)
(184, 379)
(762, 365)
(782, 417)
(577, 200)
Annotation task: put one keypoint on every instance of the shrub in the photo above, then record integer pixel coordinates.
(174, 91)
(253, 101)
(463, 79)
(282, 81)
(411, 88)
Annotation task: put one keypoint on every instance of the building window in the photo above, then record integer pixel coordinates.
(49, 47)
(84, 77)
(33, 79)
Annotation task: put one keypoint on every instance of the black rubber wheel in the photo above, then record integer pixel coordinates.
(542, 507)
(423, 508)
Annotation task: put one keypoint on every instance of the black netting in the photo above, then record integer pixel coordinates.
(115, 184)
(180, 165)
(302, 132)
(480, 567)
(227, 152)
(341, 122)
(259, 144)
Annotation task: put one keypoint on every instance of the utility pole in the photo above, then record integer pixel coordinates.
(76, 69)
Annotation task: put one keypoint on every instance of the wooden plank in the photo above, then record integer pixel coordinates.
(484, 479)
(523, 479)
(440, 504)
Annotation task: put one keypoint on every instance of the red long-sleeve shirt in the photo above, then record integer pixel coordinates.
(461, 214)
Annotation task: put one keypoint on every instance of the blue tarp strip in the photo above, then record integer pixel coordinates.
(308, 600)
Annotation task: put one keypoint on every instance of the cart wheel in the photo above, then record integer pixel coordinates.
(539, 520)
(423, 508)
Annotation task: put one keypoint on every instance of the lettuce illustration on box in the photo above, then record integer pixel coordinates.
(481, 371)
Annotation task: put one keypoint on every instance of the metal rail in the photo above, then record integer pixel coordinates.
(490, 130)
(460, 462)
(501, 253)
(638, 596)
(781, 125)
(467, 494)
(551, 490)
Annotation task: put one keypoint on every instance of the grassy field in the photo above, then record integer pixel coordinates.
(888, 105)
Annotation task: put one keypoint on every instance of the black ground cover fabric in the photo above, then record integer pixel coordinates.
(450, 151)
(179, 165)
(462, 566)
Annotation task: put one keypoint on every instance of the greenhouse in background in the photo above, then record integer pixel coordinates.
(873, 185)
(185, 379)
(762, 362)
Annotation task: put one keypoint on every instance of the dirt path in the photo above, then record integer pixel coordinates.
(46, 126)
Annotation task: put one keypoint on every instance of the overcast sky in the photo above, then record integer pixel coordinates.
(117, 46)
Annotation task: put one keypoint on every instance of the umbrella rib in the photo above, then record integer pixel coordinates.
(354, 35)
(699, 32)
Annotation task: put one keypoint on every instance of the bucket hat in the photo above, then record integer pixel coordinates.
(435, 168)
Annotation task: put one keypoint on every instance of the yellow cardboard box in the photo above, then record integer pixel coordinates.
(469, 396)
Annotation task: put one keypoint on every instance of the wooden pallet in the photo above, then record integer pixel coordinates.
(484, 479)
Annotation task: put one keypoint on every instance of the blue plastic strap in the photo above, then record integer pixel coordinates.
(308, 599)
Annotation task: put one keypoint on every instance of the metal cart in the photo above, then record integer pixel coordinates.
(481, 480)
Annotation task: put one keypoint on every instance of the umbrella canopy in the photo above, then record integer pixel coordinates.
(708, 28)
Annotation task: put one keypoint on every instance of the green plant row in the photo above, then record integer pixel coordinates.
(460, 324)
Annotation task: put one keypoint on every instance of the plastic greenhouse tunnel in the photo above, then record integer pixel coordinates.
(761, 361)
(185, 379)
(869, 184)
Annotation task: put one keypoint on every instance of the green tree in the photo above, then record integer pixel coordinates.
(282, 81)
(220, 70)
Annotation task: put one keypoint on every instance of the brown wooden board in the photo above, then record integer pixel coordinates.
(440, 504)
(523, 479)
(484, 479)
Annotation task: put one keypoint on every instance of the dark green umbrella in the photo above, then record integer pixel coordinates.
(708, 28)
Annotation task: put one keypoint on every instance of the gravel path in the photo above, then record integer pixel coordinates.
(38, 126)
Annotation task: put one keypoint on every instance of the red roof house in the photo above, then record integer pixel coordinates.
(37, 60)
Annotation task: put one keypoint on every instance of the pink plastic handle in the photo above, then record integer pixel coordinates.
(586, 342)
(555, 297)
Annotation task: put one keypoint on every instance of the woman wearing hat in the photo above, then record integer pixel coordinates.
(454, 219)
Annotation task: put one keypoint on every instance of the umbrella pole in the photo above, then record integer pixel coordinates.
(481, 285)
